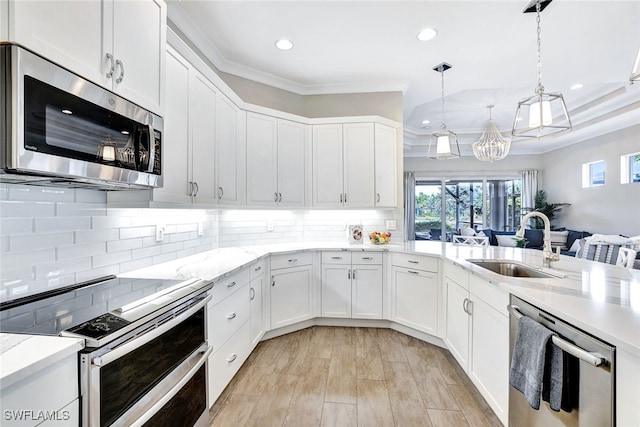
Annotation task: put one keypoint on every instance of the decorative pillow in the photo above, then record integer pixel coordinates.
(467, 232)
(535, 238)
(559, 238)
(481, 234)
(506, 240)
(575, 247)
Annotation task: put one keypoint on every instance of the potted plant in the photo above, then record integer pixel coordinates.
(549, 209)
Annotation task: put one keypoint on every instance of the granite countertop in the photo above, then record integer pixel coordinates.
(601, 299)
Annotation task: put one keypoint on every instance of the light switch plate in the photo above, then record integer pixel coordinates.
(390, 224)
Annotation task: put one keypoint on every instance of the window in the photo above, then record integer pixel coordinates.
(630, 168)
(467, 204)
(593, 174)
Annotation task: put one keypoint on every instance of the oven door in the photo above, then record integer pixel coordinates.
(149, 374)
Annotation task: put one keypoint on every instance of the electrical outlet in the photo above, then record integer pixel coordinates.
(200, 228)
(269, 225)
(390, 224)
(160, 230)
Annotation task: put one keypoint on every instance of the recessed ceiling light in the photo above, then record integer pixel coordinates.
(427, 34)
(576, 86)
(284, 44)
(425, 122)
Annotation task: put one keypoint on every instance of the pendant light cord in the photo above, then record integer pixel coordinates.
(441, 69)
(539, 88)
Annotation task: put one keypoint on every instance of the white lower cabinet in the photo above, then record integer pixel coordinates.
(414, 292)
(477, 334)
(352, 285)
(256, 287)
(291, 289)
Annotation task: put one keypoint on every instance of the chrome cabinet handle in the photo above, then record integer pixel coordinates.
(190, 189)
(293, 260)
(377, 197)
(232, 357)
(410, 261)
(340, 197)
(279, 197)
(121, 76)
(336, 257)
(345, 197)
(197, 189)
(273, 281)
(353, 276)
(349, 274)
(231, 316)
(112, 68)
(258, 268)
(367, 258)
(470, 307)
(464, 305)
(253, 293)
(413, 272)
(220, 193)
(275, 197)
(231, 285)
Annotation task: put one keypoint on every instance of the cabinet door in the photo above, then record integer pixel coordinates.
(290, 296)
(255, 295)
(366, 292)
(358, 165)
(176, 138)
(415, 299)
(457, 338)
(262, 166)
(489, 358)
(327, 166)
(228, 162)
(202, 112)
(385, 166)
(336, 291)
(139, 42)
(69, 33)
(290, 163)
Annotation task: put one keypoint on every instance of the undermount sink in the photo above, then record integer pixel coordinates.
(513, 269)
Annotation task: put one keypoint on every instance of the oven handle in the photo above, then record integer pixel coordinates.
(118, 352)
(593, 359)
(175, 389)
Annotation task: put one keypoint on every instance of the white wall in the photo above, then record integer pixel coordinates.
(54, 237)
(611, 209)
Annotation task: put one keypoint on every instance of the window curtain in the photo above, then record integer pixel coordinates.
(529, 190)
(409, 206)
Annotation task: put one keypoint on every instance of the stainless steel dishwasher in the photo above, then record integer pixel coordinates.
(593, 363)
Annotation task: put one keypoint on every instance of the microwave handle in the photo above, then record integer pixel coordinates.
(152, 147)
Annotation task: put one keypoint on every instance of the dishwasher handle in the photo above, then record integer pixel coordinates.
(593, 359)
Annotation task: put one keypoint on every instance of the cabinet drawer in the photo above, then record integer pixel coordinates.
(491, 294)
(224, 363)
(374, 258)
(228, 285)
(336, 257)
(226, 317)
(257, 268)
(293, 259)
(457, 274)
(415, 262)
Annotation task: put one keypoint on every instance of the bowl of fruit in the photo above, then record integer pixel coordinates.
(379, 237)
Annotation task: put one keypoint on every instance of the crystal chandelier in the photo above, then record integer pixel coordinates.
(444, 143)
(491, 146)
(543, 113)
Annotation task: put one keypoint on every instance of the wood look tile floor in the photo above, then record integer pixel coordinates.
(334, 376)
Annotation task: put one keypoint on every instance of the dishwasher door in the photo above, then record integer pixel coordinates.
(595, 400)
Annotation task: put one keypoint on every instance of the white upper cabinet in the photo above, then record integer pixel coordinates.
(118, 45)
(343, 165)
(385, 166)
(275, 161)
(229, 143)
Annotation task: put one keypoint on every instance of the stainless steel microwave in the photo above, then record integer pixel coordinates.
(59, 129)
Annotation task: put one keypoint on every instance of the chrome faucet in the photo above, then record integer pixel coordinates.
(548, 252)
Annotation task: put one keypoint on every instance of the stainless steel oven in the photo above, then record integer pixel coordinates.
(159, 367)
(145, 356)
(58, 128)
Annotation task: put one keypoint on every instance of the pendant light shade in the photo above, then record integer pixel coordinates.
(492, 145)
(543, 113)
(444, 143)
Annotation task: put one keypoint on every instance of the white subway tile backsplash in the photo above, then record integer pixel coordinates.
(55, 237)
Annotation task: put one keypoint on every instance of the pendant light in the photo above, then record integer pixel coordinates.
(492, 145)
(543, 113)
(444, 143)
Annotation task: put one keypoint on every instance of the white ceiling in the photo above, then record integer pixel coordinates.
(371, 46)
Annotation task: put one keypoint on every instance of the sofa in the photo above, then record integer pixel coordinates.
(568, 240)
